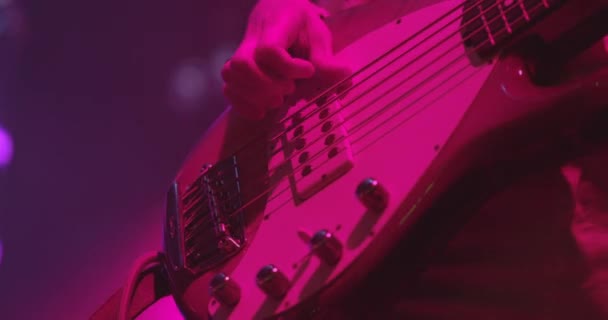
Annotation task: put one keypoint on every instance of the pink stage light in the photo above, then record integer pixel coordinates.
(189, 86)
(6, 148)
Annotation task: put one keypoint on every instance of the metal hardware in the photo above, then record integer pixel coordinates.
(325, 246)
(207, 216)
(372, 194)
(272, 281)
(225, 290)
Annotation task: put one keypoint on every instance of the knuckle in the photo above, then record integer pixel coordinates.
(291, 86)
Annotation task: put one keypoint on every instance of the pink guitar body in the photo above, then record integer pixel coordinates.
(416, 126)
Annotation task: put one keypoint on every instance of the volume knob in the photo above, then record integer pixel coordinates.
(372, 194)
(325, 246)
(225, 290)
(272, 281)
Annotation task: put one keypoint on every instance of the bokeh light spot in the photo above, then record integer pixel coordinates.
(189, 86)
(6, 148)
(12, 19)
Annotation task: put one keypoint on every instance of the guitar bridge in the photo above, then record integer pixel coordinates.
(203, 225)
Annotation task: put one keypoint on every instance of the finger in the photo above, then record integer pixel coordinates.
(322, 12)
(246, 72)
(273, 42)
(240, 80)
(278, 61)
(281, 32)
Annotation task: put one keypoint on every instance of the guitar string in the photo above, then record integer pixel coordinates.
(352, 131)
(342, 82)
(360, 125)
(394, 102)
(332, 88)
(373, 87)
(393, 88)
(368, 66)
(367, 91)
(399, 124)
(342, 93)
(411, 104)
(288, 200)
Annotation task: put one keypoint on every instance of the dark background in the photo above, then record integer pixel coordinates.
(103, 100)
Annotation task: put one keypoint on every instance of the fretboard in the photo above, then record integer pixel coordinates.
(488, 24)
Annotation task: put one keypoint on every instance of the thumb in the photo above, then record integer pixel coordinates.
(278, 61)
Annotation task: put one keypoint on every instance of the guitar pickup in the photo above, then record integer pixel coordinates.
(317, 148)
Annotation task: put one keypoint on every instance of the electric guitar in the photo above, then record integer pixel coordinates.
(280, 218)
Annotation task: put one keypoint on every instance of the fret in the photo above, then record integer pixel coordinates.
(472, 30)
(495, 22)
(537, 4)
(485, 24)
(523, 10)
(535, 8)
(504, 16)
(513, 14)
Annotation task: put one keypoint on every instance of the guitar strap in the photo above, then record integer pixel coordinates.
(150, 287)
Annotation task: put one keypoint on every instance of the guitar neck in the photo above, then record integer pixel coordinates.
(489, 25)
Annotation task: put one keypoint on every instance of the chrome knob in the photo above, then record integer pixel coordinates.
(225, 290)
(372, 194)
(325, 246)
(272, 281)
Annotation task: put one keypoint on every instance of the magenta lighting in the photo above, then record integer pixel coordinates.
(6, 151)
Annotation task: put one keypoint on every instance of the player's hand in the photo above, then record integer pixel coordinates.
(285, 41)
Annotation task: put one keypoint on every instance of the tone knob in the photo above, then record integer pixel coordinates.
(372, 194)
(272, 281)
(225, 290)
(325, 246)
